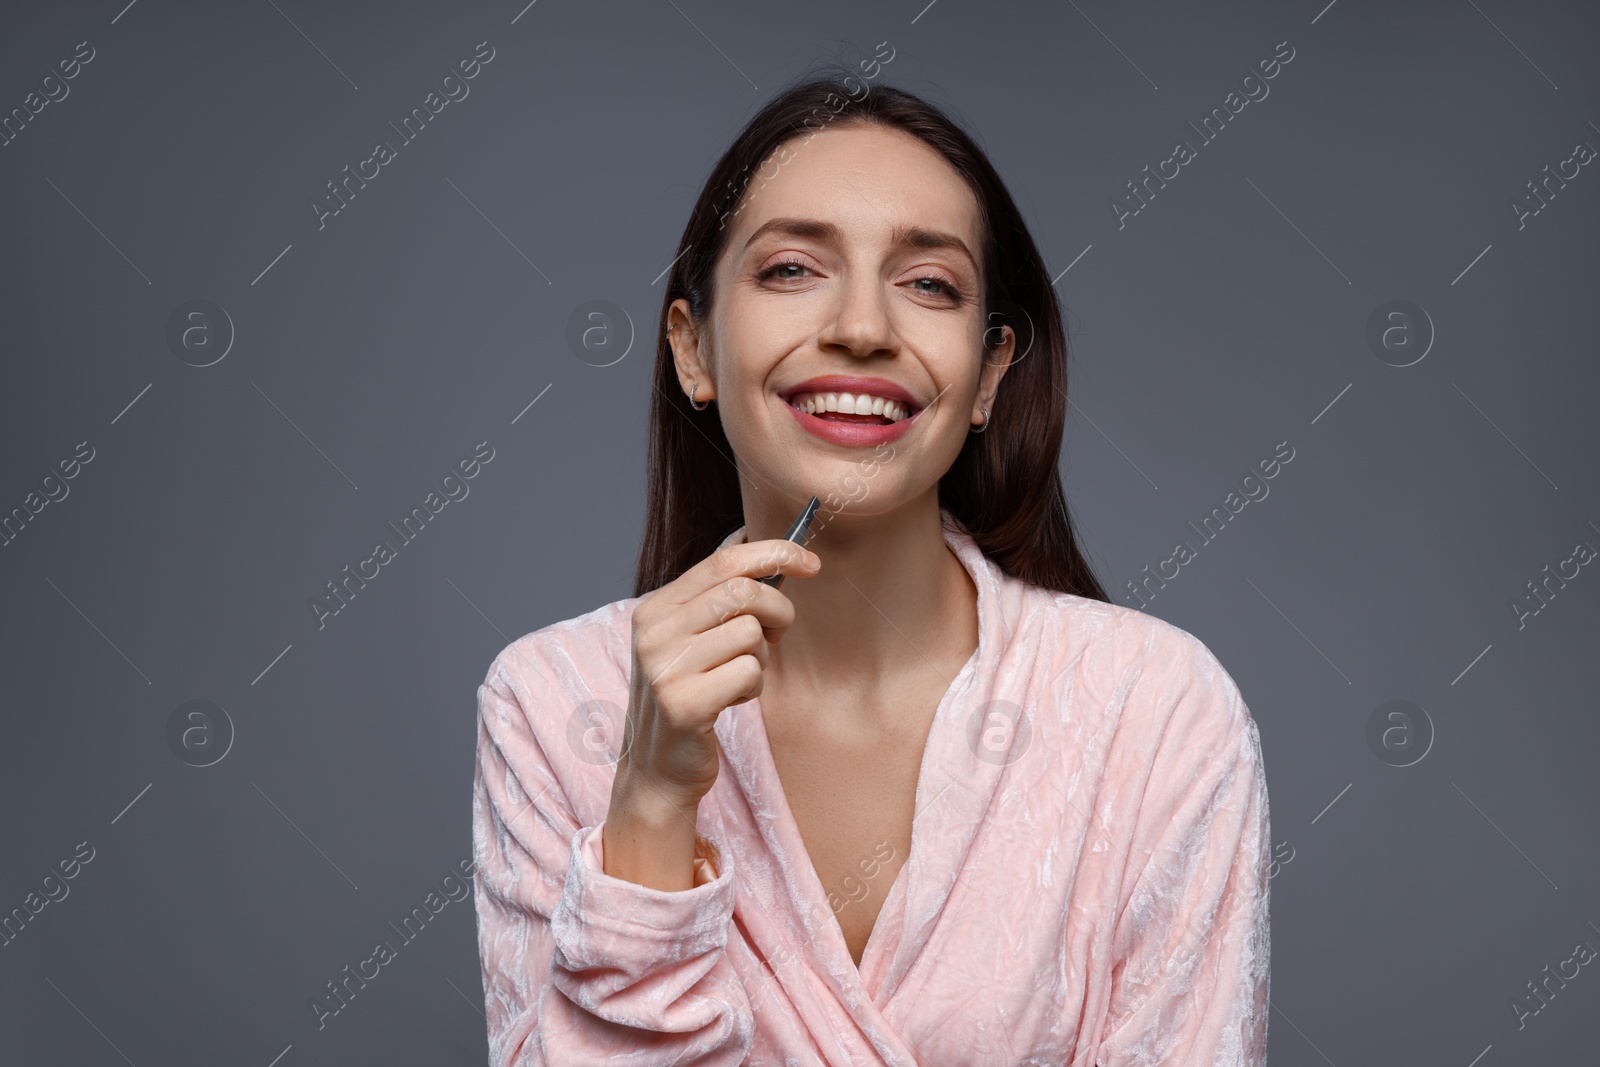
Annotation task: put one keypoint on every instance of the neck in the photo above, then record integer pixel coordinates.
(891, 605)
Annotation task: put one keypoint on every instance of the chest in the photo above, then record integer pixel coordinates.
(853, 797)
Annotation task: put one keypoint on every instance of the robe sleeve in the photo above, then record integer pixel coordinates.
(580, 967)
(1191, 946)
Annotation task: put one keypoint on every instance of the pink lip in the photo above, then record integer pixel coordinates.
(853, 434)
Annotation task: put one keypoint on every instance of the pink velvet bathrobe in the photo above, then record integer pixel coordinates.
(1087, 882)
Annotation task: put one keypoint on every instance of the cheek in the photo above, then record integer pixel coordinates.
(745, 365)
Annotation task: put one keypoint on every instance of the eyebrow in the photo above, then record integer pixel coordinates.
(818, 229)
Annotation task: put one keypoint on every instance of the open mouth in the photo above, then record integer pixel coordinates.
(859, 408)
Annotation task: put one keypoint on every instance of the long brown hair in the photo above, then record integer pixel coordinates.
(1004, 487)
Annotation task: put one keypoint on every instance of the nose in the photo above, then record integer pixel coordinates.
(861, 323)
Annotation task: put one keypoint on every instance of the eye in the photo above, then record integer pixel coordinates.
(941, 287)
(773, 271)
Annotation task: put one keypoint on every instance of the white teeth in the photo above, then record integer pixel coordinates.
(850, 404)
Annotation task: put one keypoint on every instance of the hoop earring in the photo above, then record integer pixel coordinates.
(985, 425)
(700, 406)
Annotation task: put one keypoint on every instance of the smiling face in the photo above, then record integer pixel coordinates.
(860, 259)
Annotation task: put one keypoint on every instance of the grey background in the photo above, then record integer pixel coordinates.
(1227, 316)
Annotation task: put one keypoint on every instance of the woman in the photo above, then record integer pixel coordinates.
(934, 801)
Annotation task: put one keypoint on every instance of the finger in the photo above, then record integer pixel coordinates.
(734, 682)
(754, 559)
(742, 595)
(703, 652)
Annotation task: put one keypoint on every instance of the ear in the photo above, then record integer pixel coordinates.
(688, 357)
(996, 361)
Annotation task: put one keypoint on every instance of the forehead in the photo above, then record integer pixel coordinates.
(867, 180)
